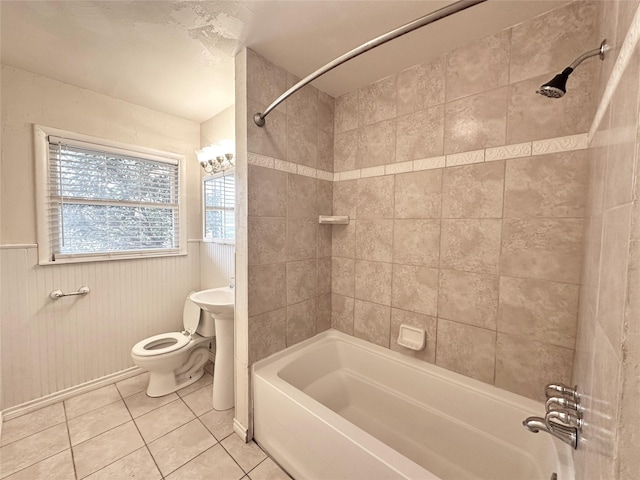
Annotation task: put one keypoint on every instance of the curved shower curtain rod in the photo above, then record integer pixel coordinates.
(259, 118)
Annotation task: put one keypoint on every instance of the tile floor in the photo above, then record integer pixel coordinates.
(117, 432)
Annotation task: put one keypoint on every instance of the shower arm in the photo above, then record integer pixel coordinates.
(259, 118)
(591, 53)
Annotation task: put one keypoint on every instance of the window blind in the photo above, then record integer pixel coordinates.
(110, 201)
(219, 206)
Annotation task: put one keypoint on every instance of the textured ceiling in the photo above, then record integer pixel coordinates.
(177, 56)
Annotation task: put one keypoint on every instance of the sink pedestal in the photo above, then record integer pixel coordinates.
(223, 396)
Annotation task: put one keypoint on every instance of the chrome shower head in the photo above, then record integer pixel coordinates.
(557, 86)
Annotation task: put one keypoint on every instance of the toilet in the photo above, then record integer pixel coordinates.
(176, 359)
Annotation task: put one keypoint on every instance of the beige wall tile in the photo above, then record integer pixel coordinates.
(301, 197)
(323, 278)
(478, 66)
(371, 322)
(373, 282)
(324, 241)
(375, 197)
(525, 366)
(323, 312)
(267, 334)
(267, 192)
(344, 240)
(301, 281)
(465, 349)
(415, 289)
(326, 111)
(267, 288)
(418, 194)
(266, 240)
(546, 249)
(343, 276)
(265, 81)
(345, 151)
(420, 134)
(302, 142)
(302, 239)
(614, 272)
(416, 242)
(534, 117)
(374, 240)
(471, 245)
(303, 106)
(539, 310)
(377, 101)
(473, 191)
(429, 324)
(544, 43)
(546, 186)
(270, 140)
(421, 86)
(342, 313)
(469, 298)
(301, 321)
(476, 122)
(377, 144)
(346, 112)
(345, 198)
(324, 197)
(325, 151)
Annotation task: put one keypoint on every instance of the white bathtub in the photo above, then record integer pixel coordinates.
(336, 407)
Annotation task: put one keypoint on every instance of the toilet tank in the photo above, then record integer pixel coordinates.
(207, 325)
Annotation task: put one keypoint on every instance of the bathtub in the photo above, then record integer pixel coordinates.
(337, 407)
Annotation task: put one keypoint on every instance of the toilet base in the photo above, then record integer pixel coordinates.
(164, 383)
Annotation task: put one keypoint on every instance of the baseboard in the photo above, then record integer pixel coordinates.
(241, 430)
(56, 397)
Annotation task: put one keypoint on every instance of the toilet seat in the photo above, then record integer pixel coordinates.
(145, 348)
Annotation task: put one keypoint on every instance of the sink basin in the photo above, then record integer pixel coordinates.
(219, 302)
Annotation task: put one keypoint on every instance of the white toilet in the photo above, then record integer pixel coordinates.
(176, 359)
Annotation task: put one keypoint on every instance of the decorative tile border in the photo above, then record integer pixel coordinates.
(626, 53)
(504, 152)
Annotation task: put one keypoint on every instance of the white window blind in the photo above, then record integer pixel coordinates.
(219, 192)
(110, 201)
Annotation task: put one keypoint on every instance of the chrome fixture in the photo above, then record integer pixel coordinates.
(56, 294)
(456, 7)
(217, 157)
(563, 418)
(232, 282)
(557, 86)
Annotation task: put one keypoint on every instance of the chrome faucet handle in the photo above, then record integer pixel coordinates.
(232, 282)
(553, 389)
(563, 403)
(566, 418)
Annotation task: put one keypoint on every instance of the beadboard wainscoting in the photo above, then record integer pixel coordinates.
(217, 264)
(51, 345)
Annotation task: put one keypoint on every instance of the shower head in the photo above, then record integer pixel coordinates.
(557, 86)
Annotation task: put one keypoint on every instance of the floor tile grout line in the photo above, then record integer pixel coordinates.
(32, 434)
(169, 431)
(73, 460)
(42, 460)
(245, 472)
(91, 411)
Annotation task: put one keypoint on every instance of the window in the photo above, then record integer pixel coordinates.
(100, 200)
(219, 197)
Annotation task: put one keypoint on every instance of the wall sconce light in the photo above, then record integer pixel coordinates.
(217, 157)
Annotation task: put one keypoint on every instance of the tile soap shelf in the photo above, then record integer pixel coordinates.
(334, 219)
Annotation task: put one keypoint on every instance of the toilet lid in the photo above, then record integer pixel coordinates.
(159, 344)
(190, 316)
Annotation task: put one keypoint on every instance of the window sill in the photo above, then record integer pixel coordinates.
(219, 241)
(109, 258)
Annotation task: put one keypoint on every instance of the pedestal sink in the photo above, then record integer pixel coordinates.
(220, 304)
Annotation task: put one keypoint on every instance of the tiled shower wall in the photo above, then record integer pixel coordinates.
(478, 244)
(608, 341)
(289, 254)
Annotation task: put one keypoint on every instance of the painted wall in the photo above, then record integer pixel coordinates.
(607, 358)
(466, 192)
(48, 346)
(289, 184)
